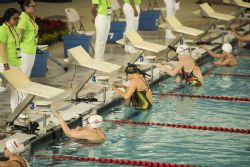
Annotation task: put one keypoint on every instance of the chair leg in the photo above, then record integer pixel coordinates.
(115, 18)
(81, 27)
(73, 30)
(121, 14)
(92, 48)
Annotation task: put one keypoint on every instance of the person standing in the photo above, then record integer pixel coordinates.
(101, 10)
(29, 32)
(171, 7)
(10, 48)
(131, 10)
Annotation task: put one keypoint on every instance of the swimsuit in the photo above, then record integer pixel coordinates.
(27, 165)
(139, 99)
(190, 78)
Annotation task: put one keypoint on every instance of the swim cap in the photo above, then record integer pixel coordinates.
(227, 47)
(131, 69)
(95, 121)
(182, 49)
(14, 146)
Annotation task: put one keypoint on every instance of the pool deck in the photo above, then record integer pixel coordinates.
(114, 54)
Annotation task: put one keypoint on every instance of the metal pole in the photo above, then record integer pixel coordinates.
(152, 73)
(44, 120)
(104, 94)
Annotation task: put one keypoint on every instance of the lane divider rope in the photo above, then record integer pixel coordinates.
(235, 75)
(207, 128)
(228, 98)
(114, 161)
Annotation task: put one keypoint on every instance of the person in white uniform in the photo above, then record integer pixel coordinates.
(131, 10)
(29, 35)
(101, 10)
(171, 7)
(10, 49)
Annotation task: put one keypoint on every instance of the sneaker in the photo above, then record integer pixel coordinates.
(66, 60)
(23, 116)
(2, 88)
(169, 34)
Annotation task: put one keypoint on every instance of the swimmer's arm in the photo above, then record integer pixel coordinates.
(7, 163)
(174, 71)
(211, 53)
(245, 38)
(120, 85)
(170, 64)
(240, 37)
(65, 127)
(129, 92)
(79, 134)
(225, 62)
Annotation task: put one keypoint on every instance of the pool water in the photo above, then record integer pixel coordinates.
(174, 145)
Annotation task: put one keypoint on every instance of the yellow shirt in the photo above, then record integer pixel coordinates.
(29, 35)
(9, 36)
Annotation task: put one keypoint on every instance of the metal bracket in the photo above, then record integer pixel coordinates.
(19, 109)
(81, 84)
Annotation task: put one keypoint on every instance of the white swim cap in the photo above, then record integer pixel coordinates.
(14, 146)
(182, 49)
(227, 47)
(95, 121)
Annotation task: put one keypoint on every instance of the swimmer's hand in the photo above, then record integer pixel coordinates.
(119, 85)
(203, 47)
(57, 114)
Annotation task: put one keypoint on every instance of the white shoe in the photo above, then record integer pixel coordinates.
(2, 89)
(169, 34)
(23, 116)
(66, 60)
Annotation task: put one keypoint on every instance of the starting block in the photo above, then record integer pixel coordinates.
(138, 42)
(16, 79)
(82, 58)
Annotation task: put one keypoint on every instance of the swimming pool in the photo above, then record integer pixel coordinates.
(169, 144)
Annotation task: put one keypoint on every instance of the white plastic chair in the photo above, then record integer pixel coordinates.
(74, 18)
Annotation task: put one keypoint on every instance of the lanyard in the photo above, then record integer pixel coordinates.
(33, 24)
(17, 40)
(108, 2)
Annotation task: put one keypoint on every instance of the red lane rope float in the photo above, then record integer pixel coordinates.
(228, 98)
(207, 128)
(235, 75)
(113, 161)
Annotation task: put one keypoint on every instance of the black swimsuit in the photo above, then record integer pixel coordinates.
(190, 78)
(139, 99)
